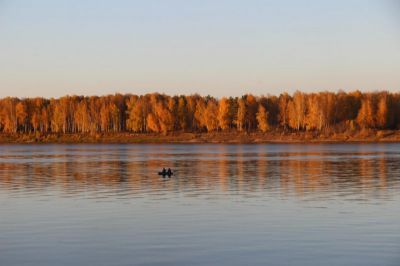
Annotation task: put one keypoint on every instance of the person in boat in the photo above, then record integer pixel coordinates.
(164, 172)
(169, 172)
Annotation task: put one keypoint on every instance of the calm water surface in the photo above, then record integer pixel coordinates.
(225, 205)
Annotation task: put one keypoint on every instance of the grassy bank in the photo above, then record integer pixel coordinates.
(216, 137)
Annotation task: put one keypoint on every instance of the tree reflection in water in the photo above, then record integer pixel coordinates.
(308, 171)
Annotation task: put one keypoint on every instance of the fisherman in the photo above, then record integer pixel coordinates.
(169, 171)
(164, 172)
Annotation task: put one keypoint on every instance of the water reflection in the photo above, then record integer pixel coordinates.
(314, 171)
(226, 205)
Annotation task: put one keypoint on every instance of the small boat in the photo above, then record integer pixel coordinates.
(165, 173)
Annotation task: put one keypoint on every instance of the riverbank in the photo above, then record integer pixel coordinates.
(215, 137)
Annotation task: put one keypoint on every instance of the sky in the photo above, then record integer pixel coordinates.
(219, 47)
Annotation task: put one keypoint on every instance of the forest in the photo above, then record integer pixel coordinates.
(160, 113)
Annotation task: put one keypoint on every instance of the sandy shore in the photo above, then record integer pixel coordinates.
(216, 137)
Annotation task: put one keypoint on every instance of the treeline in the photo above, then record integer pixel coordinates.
(162, 113)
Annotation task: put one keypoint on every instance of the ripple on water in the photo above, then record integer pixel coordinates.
(225, 205)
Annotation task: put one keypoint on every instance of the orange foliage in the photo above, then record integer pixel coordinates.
(162, 113)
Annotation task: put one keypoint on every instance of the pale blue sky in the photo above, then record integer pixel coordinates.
(52, 48)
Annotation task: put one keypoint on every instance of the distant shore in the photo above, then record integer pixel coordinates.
(214, 137)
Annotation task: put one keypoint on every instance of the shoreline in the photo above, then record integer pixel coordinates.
(273, 137)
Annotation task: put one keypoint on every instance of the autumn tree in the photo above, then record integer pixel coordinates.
(365, 117)
(241, 115)
(153, 123)
(191, 104)
(262, 118)
(183, 116)
(200, 121)
(136, 114)
(9, 115)
(224, 118)
(22, 116)
(251, 111)
(164, 116)
(382, 113)
(82, 116)
(283, 117)
(211, 116)
(297, 111)
(39, 115)
(315, 117)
